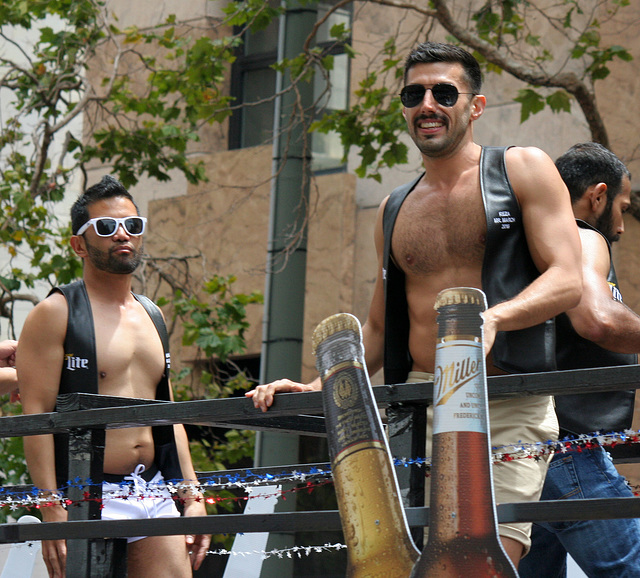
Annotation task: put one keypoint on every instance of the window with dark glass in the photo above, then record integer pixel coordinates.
(253, 84)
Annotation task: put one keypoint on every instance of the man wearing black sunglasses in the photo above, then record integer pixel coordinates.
(494, 218)
(96, 336)
(480, 217)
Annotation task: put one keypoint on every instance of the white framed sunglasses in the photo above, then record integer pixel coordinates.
(107, 226)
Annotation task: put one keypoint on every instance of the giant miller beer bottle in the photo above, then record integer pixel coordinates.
(463, 533)
(373, 522)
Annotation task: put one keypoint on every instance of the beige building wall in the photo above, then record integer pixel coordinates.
(226, 223)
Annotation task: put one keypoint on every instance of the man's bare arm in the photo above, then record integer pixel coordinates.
(193, 499)
(194, 504)
(373, 328)
(554, 244)
(39, 361)
(599, 318)
(8, 373)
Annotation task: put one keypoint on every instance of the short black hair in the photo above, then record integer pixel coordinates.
(428, 52)
(107, 188)
(589, 163)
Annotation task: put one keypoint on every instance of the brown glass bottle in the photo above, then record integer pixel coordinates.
(463, 533)
(373, 522)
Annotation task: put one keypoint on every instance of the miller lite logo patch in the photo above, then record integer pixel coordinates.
(71, 362)
(615, 292)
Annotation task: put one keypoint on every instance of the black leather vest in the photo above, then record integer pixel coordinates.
(506, 270)
(80, 374)
(602, 411)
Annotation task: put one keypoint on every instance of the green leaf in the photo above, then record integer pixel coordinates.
(559, 101)
(531, 103)
(10, 284)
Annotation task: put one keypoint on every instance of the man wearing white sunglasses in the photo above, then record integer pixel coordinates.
(96, 336)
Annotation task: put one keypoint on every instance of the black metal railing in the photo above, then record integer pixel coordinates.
(86, 416)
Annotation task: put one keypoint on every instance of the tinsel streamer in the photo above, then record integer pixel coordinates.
(35, 498)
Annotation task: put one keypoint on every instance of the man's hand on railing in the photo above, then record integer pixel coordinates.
(262, 395)
(8, 375)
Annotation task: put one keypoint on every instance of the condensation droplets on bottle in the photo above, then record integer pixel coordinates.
(463, 534)
(375, 529)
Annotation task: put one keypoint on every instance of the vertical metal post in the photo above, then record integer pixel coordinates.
(407, 426)
(285, 284)
(95, 558)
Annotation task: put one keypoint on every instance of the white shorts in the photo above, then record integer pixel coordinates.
(136, 499)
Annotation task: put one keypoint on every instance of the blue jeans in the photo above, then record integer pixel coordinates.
(602, 548)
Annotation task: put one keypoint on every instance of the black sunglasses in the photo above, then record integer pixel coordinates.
(443, 93)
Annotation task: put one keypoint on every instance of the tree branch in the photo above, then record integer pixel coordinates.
(566, 80)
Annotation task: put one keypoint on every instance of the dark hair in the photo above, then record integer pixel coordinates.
(107, 188)
(590, 163)
(429, 52)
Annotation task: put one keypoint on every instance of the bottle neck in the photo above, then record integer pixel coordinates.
(461, 489)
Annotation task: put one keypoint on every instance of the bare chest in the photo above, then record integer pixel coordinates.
(129, 353)
(436, 232)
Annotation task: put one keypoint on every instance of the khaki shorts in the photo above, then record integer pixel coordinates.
(524, 419)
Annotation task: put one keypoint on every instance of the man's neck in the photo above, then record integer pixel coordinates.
(448, 168)
(108, 287)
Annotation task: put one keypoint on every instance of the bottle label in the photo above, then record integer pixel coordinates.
(459, 396)
(350, 412)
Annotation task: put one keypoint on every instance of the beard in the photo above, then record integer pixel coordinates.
(443, 145)
(109, 262)
(604, 224)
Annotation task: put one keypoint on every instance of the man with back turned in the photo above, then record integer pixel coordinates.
(498, 219)
(600, 332)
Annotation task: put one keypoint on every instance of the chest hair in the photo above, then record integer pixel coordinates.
(436, 231)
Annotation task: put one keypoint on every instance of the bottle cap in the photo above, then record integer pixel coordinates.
(333, 324)
(461, 295)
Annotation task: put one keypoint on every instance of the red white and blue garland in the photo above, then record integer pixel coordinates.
(307, 480)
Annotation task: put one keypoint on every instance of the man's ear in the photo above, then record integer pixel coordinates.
(78, 245)
(478, 105)
(598, 197)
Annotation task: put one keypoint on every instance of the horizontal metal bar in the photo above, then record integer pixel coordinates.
(551, 511)
(240, 412)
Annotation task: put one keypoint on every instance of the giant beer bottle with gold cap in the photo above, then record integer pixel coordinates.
(463, 533)
(373, 521)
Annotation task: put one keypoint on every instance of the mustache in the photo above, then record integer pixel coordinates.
(433, 116)
(136, 253)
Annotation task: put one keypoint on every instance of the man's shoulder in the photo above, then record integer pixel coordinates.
(519, 154)
(404, 188)
(150, 306)
(48, 314)
(68, 288)
(54, 308)
(533, 175)
(592, 239)
(393, 201)
(53, 301)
